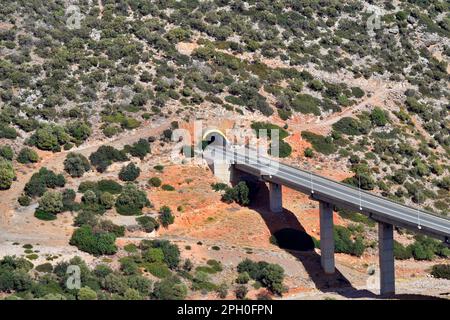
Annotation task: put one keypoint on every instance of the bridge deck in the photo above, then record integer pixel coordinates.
(339, 194)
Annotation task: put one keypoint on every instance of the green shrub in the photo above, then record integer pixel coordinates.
(105, 156)
(76, 165)
(140, 149)
(243, 278)
(130, 248)
(51, 202)
(153, 255)
(42, 180)
(99, 243)
(24, 201)
(284, 149)
(43, 215)
(148, 223)
(269, 275)
(167, 187)
(239, 193)
(320, 143)
(257, 126)
(109, 186)
(349, 126)
(241, 292)
(155, 182)
(6, 152)
(27, 155)
(306, 103)
(170, 251)
(441, 271)
(7, 174)
(131, 201)
(219, 186)
(130, 172)
(401, 252)
(344, 243)
(166, 217)
(46, 268)
(170, 288)
(158, 269)
(86, 293)
(128, 266)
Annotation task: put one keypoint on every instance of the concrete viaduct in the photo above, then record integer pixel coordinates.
(227, 159)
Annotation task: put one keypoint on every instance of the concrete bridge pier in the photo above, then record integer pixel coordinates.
(275, 197)
(223, 170)
(386, 256)
(326, 237)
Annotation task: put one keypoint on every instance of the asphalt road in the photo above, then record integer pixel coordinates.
(320, 188)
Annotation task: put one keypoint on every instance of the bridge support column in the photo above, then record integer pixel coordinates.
(386, 256)
(326, 237)
(223, 170)
(276, 197)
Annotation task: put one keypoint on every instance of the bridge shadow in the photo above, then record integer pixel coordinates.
(285, 225)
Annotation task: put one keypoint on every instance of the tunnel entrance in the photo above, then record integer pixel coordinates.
(214, 137)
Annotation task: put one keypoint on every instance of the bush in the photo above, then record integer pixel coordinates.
(379, 117)
(109, 186)
(158, 269)
(24, 201)
(284, 149)
(167, 187)
(308, 152)
(320, 143)
(170, 288)
(148, 223)
(349, 126)
(51, 202)
(7, 174)
(401, 252)
(239, 194)
(99, 243)
(6, 152)
(45, 268)
(129, 172)
(86, 293)
(344, 243)
(43, 215)
(441, 271)
(140, 149)
(131, 201)
(269, 275)
(241, 292)
(243, 278)
(166, 217)
(128, 266)
(170, 251)
(76, 165)
(154, 182)
(42, 180)
(219, 186)
(257, 126)
(105, 156)
(153, 255)
(27, 155)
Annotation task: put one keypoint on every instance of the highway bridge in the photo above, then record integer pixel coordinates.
(227, 159)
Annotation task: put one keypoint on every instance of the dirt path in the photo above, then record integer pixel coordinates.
(18, 224)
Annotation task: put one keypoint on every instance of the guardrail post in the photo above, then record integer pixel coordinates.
(275, 197)
(386, 256)
(326, 237)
